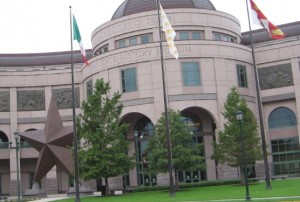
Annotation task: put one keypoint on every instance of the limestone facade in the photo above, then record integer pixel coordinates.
(26, 89)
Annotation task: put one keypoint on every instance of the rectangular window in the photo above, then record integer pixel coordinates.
(196, 36)
(129, 80)
(89, 88)
(183, 35)
(285, 160)
(226, 38)
(217, 36)
(191, 74)
(145, 39)
(132, 41)
(242, 76)
(122, 44)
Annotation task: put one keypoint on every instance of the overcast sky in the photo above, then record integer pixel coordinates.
(34, 26)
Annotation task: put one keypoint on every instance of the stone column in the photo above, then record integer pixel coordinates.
(12, 156)
(51, 182)
(210, 163)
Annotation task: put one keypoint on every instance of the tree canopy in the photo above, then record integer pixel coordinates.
(186, 155)
(228, 148)
(103, 149)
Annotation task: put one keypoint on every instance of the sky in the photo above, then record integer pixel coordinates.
(37, 26)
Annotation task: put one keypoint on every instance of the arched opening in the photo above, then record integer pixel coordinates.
(4, 143)
(143, 129)
(23, 143)
(203, 126)
(196, 126)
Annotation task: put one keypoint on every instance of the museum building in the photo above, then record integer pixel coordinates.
(213, 57)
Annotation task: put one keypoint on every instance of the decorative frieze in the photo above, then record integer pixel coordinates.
(31, 100)
(4, 101)
(63, 98)
(275, 76)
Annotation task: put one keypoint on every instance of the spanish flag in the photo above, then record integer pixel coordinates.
(260, 19)
(169, 31)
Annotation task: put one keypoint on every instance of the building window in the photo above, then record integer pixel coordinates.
(223, 37)
(122, 44)
(183, 35)
(282, 117)
(145, 39)
(286, 156)
(196, 35)
(129, 80)
(190, 73)
(89, 88)
(132, 41)
(242, 76)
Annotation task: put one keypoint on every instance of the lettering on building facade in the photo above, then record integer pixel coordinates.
(129, 56)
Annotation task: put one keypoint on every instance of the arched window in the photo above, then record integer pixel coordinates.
(3, 141)
(282, 117)
(143, 130)
(192, 121)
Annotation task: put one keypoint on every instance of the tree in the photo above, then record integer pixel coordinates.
(228, 148)
(103, 151)
(185, 154)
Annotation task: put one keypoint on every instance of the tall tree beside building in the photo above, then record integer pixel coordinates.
(103, 149)
(186, 155)
(228, 149)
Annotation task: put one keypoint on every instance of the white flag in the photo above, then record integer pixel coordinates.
(169, 31)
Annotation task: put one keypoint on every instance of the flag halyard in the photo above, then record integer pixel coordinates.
(77, 37)
(169, 31)
(260, 19)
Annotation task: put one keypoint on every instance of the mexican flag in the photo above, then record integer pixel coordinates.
(76, 36)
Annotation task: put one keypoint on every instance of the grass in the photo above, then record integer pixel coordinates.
(280, 188)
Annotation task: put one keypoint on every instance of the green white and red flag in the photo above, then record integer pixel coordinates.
(260, 19)
(77, 36)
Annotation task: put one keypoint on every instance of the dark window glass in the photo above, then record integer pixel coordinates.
(287, 158)
(122, 44)
(183, 35)
(242, 76)
(145, 39)
(132, 41)
(282, 117)
(191, 74)
(129, 80)
(196, 36)
(89, 88)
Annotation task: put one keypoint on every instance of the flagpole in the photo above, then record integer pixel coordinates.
(262, 129)
(170, 166)
(75, 143)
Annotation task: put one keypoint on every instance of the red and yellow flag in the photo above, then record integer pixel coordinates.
(260, 19)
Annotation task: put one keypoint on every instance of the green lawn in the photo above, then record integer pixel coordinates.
(280, 188)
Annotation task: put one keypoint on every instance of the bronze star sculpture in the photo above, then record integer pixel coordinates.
(53, 144)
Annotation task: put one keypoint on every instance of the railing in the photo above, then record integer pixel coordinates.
(24, 144)
(4, 145)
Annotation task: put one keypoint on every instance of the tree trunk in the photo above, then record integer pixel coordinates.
(176, 181)
(106, 186)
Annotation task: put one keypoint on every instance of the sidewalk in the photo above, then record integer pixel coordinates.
(52, 198)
